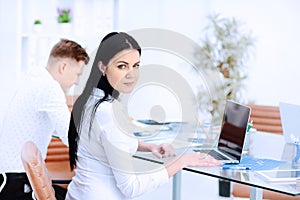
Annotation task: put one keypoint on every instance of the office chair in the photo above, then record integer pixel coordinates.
(266, 118)
(37, 172)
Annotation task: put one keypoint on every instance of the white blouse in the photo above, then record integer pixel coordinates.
(105, 167)
(37, 111)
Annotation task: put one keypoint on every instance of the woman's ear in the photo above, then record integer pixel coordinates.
(102, 67)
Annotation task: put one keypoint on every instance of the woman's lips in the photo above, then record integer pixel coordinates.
(129, 84)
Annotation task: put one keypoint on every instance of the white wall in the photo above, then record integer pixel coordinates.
(185, 17)
(275, 70)
(8, 51)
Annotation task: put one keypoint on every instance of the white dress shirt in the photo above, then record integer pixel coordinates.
(37, 111)
(104, 169)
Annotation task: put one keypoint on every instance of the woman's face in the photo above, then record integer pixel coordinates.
(122, 71)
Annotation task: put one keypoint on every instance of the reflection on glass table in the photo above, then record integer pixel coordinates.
(267, 149)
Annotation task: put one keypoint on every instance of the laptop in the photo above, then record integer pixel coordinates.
(290, 118)
(233, 131)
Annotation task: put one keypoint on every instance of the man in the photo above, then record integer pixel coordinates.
(37, 112)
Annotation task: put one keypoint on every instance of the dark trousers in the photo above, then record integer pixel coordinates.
(17, 187)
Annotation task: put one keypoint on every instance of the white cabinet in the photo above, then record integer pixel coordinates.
(90, 21)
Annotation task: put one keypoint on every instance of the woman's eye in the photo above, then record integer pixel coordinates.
(136, 66)
(121, 66)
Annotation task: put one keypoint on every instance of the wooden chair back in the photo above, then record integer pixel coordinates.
(37, 172)
(266, 118)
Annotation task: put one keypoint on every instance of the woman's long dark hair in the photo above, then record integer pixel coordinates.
(110, 45)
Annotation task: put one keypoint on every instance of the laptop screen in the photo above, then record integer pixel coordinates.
(233, 131)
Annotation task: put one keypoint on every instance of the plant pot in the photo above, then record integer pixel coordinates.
(65, 28)
(37, 28)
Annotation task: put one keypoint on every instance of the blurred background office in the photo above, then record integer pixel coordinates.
(273, 69)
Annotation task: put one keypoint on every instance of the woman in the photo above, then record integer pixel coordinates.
(101, 144)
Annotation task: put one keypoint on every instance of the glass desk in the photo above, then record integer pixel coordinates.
(263, 145)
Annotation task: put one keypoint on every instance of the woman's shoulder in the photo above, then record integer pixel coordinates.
(109, 108)
(104, 106)
(99, 94)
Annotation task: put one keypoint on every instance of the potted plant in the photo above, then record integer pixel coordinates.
(64, 20)
(37, 21)
(63, 15)
(225, 49)
(37, 26)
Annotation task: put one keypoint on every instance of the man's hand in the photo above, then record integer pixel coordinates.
(163, 150)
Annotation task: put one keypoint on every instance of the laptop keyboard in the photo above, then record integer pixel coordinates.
(212, 153)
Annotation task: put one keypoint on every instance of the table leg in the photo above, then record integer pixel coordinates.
(256, 193)
(176, 194)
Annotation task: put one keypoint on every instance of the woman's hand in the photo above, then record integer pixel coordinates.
(163, 150)
(198, 159)
(190, 160)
